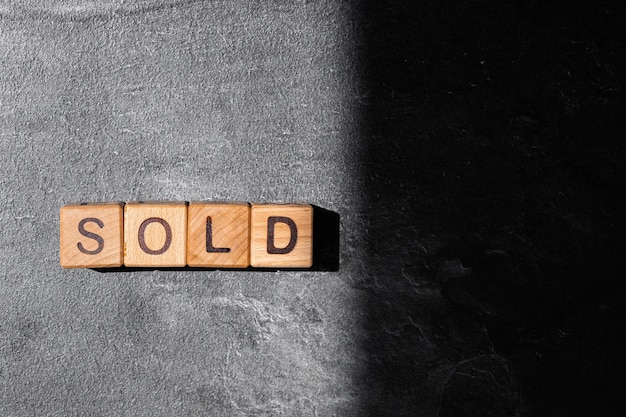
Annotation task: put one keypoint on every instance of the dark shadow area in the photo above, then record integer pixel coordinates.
(325, 249)
(325, 239)
(495, 174)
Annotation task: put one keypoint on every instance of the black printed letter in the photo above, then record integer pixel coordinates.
(209, 238)
(168, 236)
(271, 222)
(97, 238)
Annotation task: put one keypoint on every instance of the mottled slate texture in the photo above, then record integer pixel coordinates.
(228, 100)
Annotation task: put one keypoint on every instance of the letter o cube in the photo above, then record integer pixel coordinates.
(155, 234)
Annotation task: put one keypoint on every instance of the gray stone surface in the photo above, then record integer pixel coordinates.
(100, 101)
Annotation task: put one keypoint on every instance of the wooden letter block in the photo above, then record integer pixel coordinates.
(281, 235)
(155, 234)
(218, 235)
(91, 235)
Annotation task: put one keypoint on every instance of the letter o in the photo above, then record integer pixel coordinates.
(142, 240)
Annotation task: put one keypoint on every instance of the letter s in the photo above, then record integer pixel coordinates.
(97, 238)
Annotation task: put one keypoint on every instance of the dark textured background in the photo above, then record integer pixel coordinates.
(474, 153)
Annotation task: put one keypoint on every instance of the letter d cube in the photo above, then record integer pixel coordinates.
(281, 235)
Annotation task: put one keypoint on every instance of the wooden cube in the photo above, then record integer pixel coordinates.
(218, 235)
(281, 235)
(91, 235)
(155, 234)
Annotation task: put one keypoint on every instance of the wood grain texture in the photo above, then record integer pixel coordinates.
(91, 235)
(155, 234)
(281, 235)
(218, 235)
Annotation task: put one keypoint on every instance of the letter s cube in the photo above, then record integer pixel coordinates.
(92, 235)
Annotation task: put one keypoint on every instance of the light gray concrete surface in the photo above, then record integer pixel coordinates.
(165, 100)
